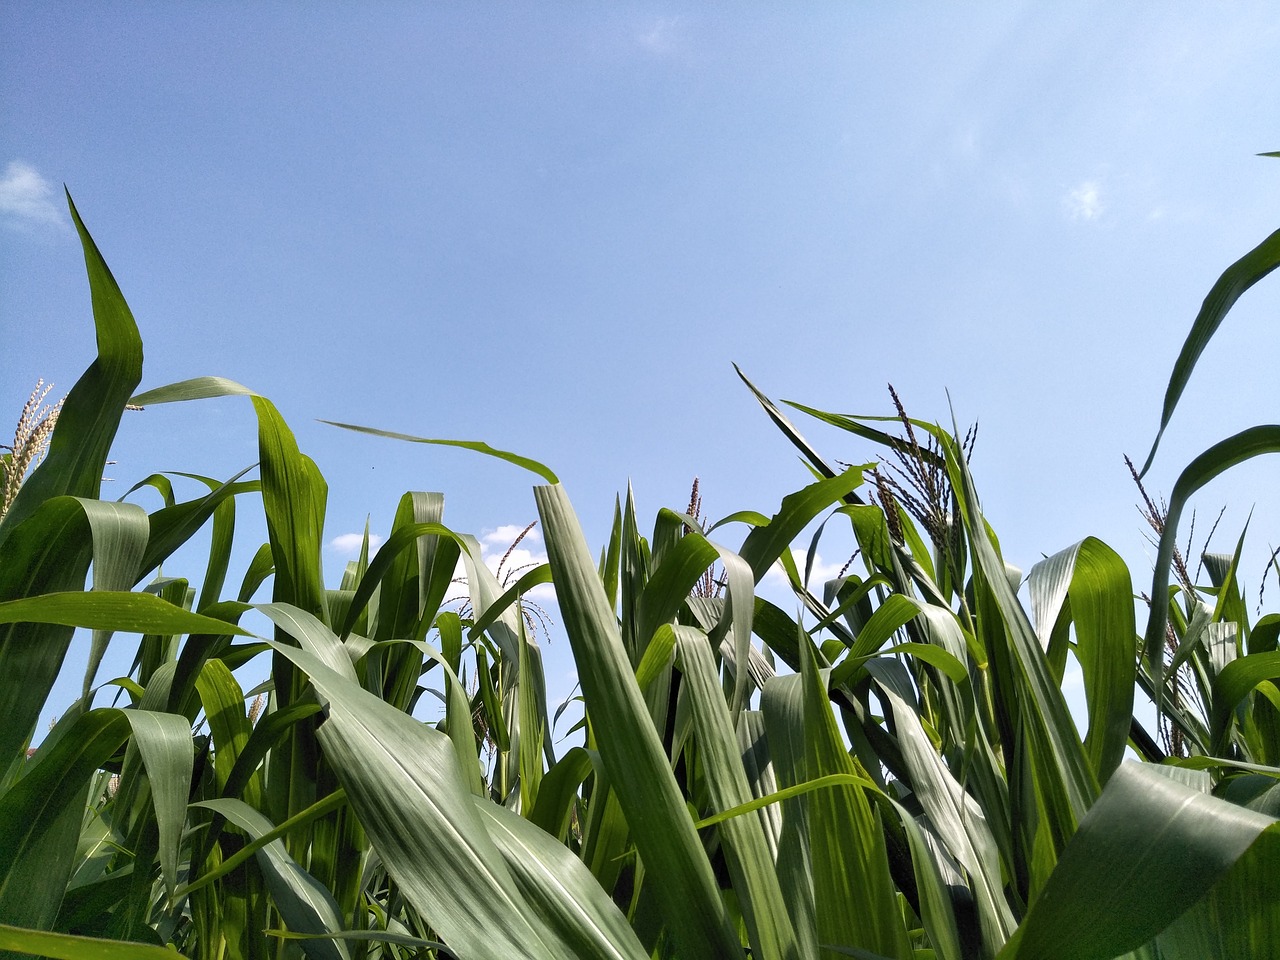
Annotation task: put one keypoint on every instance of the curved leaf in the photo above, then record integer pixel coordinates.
(304, 903)
(1144, 854)
(402, 780)
(1253, 442)
(1235, 280)
(1232, 685)
(478, 446)
(91, 413)
(40, 816)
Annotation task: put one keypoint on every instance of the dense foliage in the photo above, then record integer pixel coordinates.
(891, 771)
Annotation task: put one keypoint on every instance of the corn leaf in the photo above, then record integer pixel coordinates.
(65, 946)
(40, 816)
(632, 754)
(1145, 853)
(1235, 280)
(1223, 455)
(402, 780)
(91, 413)
(750, 862)
(303, 901)
(477, 446)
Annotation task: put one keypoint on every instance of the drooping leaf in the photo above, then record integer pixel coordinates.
(1249, 443)
(477, 446)
(40, 816)
(1144, 854)
(403, 782)
(303, 901)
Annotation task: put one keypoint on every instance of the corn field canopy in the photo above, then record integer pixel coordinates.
(882, 767)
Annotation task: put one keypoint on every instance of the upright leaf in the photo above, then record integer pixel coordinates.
(1235, 280)
(629, 746)
(91, 412)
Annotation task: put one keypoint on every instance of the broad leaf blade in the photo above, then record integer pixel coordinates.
(1145, 853)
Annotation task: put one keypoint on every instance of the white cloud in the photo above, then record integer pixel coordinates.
(27, 198)
(660, 37)
(348, 544)
(517, 563)
(1084, 202)
(506, 534)
(494, 546)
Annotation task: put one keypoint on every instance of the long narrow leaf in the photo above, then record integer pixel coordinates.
(1235, 280)
(477, 446)
(629, 747)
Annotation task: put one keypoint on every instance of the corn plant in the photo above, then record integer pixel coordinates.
(890, 770)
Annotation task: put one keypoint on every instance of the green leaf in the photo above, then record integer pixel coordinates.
(1097, 582)
(173, 525)
(388, 555)
(304, 903)
(528, 580)
(403, 782)
(1232, 685)
(476, 445)
(164, 743)
(1239, 917)
(558, 791)
(793, 435)
(1235, 280)
(1064, 782)
(198, 388)
(459, 725)
(854, 896)
(955, 815)
(631, 752)
(261, 837)
(293, 492)
(113, 610)
(1220, 457)
(1145, 853)
(91, 413)
(65, 946)
(119, 533)
(293, 496)
(40, 816)
(557, 885)
(750, 862)
(766, 544)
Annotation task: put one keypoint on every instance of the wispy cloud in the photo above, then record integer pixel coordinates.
(1084, 202)
(661, 36)
(347, 545)
(27, 199)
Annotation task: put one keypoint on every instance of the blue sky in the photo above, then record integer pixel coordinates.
(554, 229)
